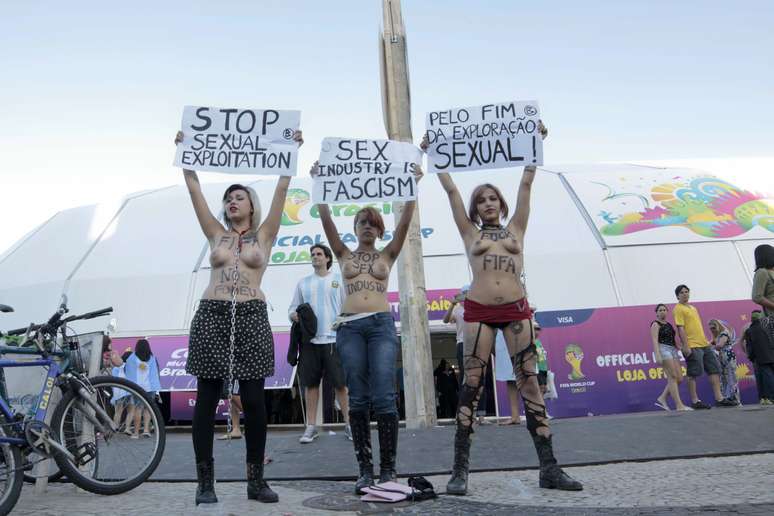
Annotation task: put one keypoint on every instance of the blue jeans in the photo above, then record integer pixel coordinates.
(368, 349)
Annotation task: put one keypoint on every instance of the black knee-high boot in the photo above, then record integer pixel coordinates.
(551, 475)
(387, 425)
(458, 483)
(360, 424)
(205, 477)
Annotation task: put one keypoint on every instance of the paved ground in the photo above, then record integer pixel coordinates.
(721, 485)
(719, 461)
(577, 441)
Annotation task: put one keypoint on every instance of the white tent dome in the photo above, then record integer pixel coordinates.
(599, 235)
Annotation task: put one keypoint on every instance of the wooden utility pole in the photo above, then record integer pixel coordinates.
(415, 333)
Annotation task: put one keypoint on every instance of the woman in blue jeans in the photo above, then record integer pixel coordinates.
(365, 334)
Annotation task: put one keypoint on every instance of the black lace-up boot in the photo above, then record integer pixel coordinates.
(458, 483)
(205, 476)
(387, 424)
(360, 424)
(257, 488)
(551, 475)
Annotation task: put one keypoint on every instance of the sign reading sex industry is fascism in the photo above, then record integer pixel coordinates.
(239, 141)
(355, 170)
(499, 135)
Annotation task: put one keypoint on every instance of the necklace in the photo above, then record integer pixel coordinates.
(491, 226)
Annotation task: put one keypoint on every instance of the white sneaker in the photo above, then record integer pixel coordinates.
(348, 432)
(310, 434)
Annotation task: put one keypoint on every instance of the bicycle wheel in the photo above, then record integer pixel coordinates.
(10, 474)
(111, 462)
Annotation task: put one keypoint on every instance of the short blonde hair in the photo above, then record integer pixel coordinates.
(255, 204)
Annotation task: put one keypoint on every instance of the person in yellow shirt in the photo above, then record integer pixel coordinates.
(699, 356)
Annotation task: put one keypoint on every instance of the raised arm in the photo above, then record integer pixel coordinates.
(521, 216)
(449, 317)
(464, 225)
(518, 222)
(331, 232)
(402, 228)
(209, 224)
(270, 227)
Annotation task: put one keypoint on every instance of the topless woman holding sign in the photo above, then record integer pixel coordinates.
(497, 301)
(365, 333)
(230, 337)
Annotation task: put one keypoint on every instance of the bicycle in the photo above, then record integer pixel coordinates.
(84, 437)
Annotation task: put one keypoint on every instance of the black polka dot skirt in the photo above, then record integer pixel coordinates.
(208, 341)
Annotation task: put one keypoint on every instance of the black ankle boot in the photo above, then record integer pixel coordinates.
(387, 424)
(205, 476)
(360, 424)
(257, 488)
(551, 475)
(458, 483)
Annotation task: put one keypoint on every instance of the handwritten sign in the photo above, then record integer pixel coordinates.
(353, 170)
(239, 141)
(499, 135)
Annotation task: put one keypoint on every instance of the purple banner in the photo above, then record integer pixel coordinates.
(604, 364)
(438, 302)
(172, 353)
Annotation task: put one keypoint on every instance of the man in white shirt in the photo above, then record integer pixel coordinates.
(324, 292)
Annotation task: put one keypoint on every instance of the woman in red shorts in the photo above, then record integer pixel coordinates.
(497, 301)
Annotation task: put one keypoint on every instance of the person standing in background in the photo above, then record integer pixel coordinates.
(699, 357)
(324, 292)
(662, 333)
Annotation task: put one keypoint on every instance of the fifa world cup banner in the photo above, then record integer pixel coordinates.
(171, 352)
(603, 359)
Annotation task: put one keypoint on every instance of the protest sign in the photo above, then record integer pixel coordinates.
(352, 170)
(499, 135)
(239, 141)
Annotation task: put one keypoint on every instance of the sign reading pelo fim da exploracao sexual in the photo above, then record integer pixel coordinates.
(239, 141)
(357, 170)
(499, 135)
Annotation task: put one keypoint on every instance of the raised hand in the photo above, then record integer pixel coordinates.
(179, 137)
(298, 137)
(425, 143)
(542, 129)
(315, 170)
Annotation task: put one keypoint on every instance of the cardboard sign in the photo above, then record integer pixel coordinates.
(500, 135)
(357, 171)
(239, 141)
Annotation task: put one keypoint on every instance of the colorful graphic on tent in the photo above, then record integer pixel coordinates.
(296, 199)
(706, 205)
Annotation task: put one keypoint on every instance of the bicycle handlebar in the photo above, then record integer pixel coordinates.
(56, 321)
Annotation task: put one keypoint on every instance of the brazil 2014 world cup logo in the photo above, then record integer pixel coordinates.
(573, 354)
(296, 199)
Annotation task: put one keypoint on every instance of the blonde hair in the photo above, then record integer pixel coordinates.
(255, 204)
(722, 328)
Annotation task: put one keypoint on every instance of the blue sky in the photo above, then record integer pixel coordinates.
(93, 93)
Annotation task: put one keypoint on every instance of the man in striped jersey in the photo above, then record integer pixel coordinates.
(324, 292)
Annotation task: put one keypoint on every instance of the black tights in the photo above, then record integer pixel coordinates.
(472, 386)
(208, 393)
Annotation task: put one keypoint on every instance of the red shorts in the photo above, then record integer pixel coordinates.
(497, 315)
